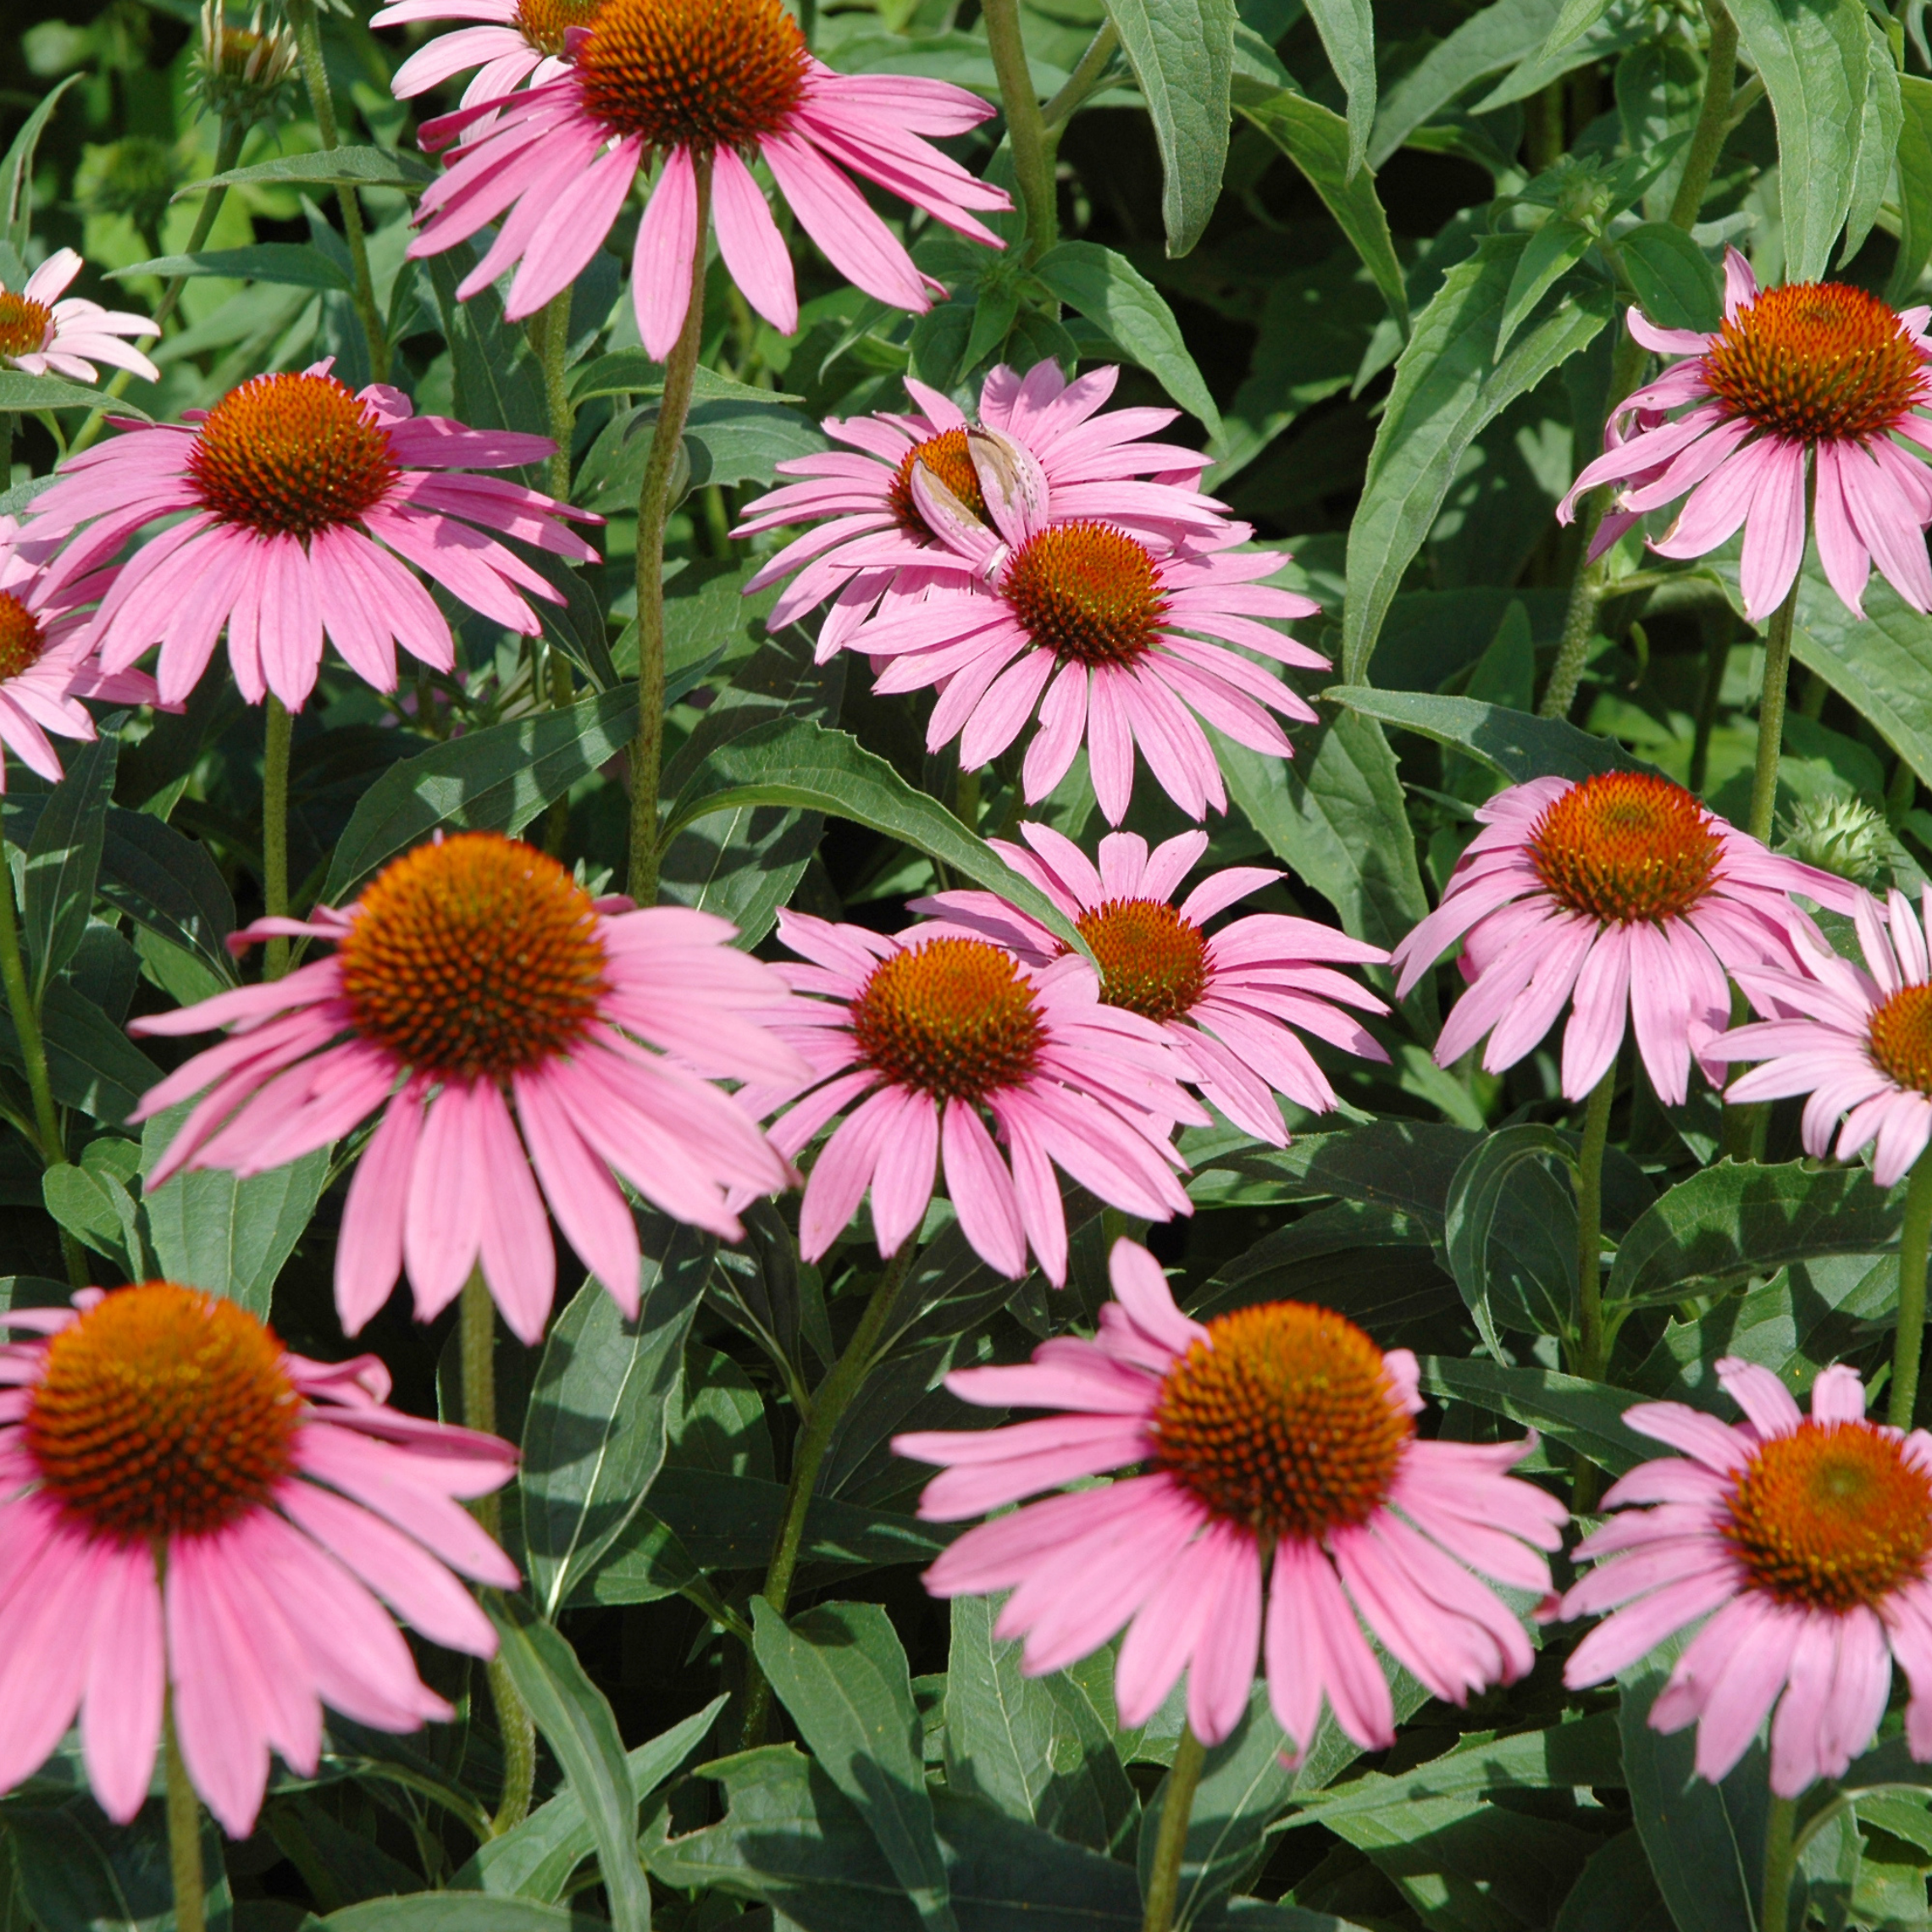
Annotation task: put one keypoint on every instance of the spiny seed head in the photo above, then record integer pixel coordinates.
(696, 74)
(953, 1018)
(1831, 1516)
(22, 641)
(475, 959)
(1900, 1037)
(290, 454)
(24, 325)
(1840, 835)
(1817, 362)
(162, 1412)
(948, 457)
(239, 70)
(546, 23)
(1283, 1420)
(1623, 845)
(1152, 960)
(1086, 591)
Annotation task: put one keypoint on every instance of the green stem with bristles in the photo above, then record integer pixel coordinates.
(184, 1830)
(1170, 1838)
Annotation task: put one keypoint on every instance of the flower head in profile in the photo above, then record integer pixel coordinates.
(923, 1039)
(1857, 1044)
(1229, 1001)
(1804, 1540)
(1817, 370)
(45, 332)
(240, 72)
(475, 990)
(1623, 898)
(191, 1512)
(305, 511)
(1284, 1500)
(861, 500)
(506, 42)
(47, 665)
(705, 84)
(1116, 640)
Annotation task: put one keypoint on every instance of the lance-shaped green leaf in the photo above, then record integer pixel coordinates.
(1509, 1229)
(20, 393)
(1182, 54)
(796, 763)
(456, 1912)
(1490, 41)
(1517, 745)
(1914, 187)
(64, 859)
(1553, 250)
(1674, 278)
(363, 167)
(17, 171)
(575, 1718)
(91, 1063)
(1347, 30)
(295, 264)
(1587, 1416)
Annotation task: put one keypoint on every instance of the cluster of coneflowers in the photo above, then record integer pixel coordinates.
(201, 1531)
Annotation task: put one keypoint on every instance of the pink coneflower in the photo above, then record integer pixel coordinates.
(511, 42)
(1087, 463)
(1085, 623)
(707, 83)
(306, 506)
(927, 1035)
(476, 989)
(44, 335)
(1816, 368)
(1624, 895)
(1807, 1538)
(1228, 1000)
(191, 1511)
(45, 663)
(1857, 1044)
(1280, 1442)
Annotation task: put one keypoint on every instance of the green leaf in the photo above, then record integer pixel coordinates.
(631, 372)
(213, 1230)
(1516, 744)
(1323, 147)
(1182, 54)
(1674, 278)
(595, 1435)
(537, 1858)
(496, 779)
(1553, 250)
(1588, 1416)
(455, 1912)
(495, 381)
(840, 1672)
(1879, 130)
(1490, 42)
(76, 1873)
(17, 172)
(1812, 61)
(1033, 1746)
(1509, 1228)
(1407, 1165)
(1448, 387)
(1113, 295)
(1914, 188)
(1616, 1893)
(92, 1202)
(91, 1063)
(1735, 1220)
(167, 884)
(295, 264)
(1347, 30)
(64, 859)
(796, 763)
(1577, 18)
(361, 167)
(575, 1718)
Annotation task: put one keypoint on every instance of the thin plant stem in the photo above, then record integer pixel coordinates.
(1713, 117)
(6, 449)
(965, 798)
(1591, 1355)
(550, 329)
(1171, 1841)
(26, 1018)
(1912, 1240)
(184, 1831)
(315, 78)
(476, 1347)
(1084, 80)
(829, 1403)
(1026, 127)
(1771, 716)
(1716, 659)
(227, 152)
(654, 508)
(278, 730)
(1780, 1861)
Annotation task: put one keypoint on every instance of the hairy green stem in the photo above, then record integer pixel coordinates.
(550, 331)
(654, 508)
(1171, 1841)
(315, 78)
(1780, 1863)
(1713, 117)
(1082, 82)
(829, 1403)
(26, 1018)
(1591, 1356)
(1912, 1240)
(1771, 716)
(278, 730)
(184, 1830)
(476, 1347)
(1026, 127)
